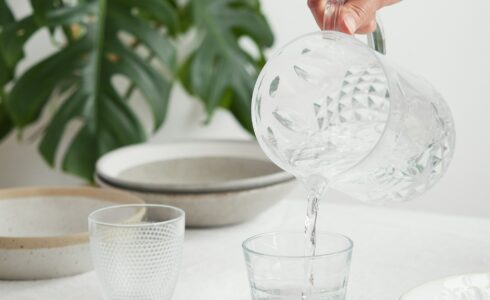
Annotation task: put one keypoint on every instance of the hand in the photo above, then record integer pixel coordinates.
(355, 16)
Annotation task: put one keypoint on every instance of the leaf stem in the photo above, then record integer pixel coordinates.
(2, 95)
(99, 55)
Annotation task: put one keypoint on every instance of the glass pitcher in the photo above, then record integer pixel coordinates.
(327, 105)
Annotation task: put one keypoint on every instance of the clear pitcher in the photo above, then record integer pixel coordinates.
(328, 105)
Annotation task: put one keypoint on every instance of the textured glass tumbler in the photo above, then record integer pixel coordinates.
(137, 250)
(278, 269)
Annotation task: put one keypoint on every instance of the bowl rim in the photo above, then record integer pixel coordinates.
(102, 183)
(280, 176)
(38, 242)
(438, 282)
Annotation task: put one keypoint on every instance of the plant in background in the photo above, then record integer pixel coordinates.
(97, 41)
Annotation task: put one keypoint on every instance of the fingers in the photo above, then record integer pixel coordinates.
(358, 14)
(355, 16)
(371, 27)
(390, 2)
(317, 8)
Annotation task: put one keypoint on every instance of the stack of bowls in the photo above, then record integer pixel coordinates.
(216, 183)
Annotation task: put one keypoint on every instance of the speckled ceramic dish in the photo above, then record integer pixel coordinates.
(216, 208)
(190, 167)
(216, 182)
(462, 287)
(43, 231)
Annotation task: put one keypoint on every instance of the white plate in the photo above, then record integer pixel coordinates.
(463, 287)
(43, 231)
(190, 167)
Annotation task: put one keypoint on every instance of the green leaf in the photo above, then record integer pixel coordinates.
(68, 15)
(121, 19)
(6, 15)
(80, 156)
(219, 65)
(121, 129)
(84, 69)
(70, 110)
(185, 18)
(123, 125)
(5, 123)
(6, 71)
(150, 82)
(163, 12)
(6, 18)
(14, 35)
(41, 8)
(12, 40)
(35, 86)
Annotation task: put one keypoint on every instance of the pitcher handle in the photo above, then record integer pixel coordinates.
(377, 39)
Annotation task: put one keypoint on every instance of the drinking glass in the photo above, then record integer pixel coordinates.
(136, 250)
(279, 270)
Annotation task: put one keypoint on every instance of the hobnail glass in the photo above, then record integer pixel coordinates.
(136, 250)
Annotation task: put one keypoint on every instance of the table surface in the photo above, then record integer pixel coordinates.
(394, 251)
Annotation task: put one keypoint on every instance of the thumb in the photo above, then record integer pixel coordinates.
(356, 14)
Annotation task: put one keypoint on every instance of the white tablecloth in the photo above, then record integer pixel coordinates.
(394, 251)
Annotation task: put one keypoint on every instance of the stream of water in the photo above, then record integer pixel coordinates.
(317, 186)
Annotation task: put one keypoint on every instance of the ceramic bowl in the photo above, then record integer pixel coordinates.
(43, 231)
(216, 208)
(216, 183)
(461, 287)
(190, 167)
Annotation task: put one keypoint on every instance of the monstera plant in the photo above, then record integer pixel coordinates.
(97, 41)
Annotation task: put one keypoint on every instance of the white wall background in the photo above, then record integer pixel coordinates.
(446, 41)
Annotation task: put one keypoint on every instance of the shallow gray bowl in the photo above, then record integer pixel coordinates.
(190, 167)
(216, 208)
(216, 183)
